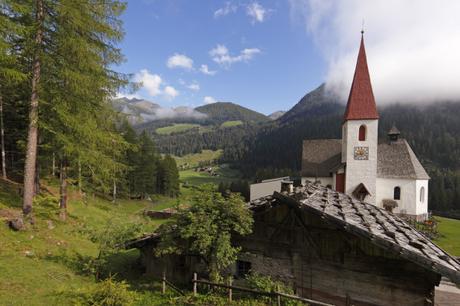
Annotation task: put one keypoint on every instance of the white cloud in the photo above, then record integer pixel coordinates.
(170, 92)
(209, 100)
(205, 69)
(411, 47)
(221, 55)
(180, 61)
(194, 86)
(256, 11)
(151, 82)
(227, 9)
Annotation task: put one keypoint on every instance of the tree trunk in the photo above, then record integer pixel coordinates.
(2, 139)
(31, 153)
(114, 194)
(53, 166)
(79, 177)
(63, 191)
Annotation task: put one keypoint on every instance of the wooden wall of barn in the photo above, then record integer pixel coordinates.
(325, 263)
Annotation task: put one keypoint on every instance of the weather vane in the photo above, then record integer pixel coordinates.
(362, 27)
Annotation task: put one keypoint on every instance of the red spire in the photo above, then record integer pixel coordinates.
(361, 102)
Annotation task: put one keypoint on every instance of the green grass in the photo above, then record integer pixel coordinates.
(176, 128)
(193, 160)
(449, 239)
(39, 266)
(231, 123)
(198, 178)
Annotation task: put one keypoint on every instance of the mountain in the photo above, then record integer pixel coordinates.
(276, 115)
(226, 111)
(139, 111)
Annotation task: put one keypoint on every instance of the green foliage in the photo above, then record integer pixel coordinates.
(206, 228)
(221, 112)
(106, 293)
(266, 283)
(168, 177)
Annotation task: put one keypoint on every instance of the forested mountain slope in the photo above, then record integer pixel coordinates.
(220, 112)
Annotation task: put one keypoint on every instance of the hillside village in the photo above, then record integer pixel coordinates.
(125, 182)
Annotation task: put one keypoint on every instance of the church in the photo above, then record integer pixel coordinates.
(382, 172)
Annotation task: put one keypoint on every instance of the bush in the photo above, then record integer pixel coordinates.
(107, 293)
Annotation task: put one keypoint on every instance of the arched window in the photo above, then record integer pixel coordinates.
(422, 194)
(397, 193)
(362, 133)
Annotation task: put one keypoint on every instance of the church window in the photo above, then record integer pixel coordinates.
(422, 194)
(397, 193)
(362, 133)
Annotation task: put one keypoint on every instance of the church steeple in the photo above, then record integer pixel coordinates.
(361, 102)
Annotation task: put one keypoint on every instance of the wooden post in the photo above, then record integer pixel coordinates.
(278, 297)
(230, 292)
(194, 283)
(163, 283)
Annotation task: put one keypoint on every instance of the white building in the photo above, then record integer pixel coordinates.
(386, 174)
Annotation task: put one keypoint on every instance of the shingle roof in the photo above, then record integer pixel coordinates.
(397, 160)
(382, 228)
(361, 102)
(320, 156)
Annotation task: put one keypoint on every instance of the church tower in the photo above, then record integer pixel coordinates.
(360, 134)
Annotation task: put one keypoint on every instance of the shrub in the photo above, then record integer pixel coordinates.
(107, 293)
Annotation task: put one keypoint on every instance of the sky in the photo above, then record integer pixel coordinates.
(265, 55)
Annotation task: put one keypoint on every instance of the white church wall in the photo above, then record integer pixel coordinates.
(422, 204)
(407, 203)
(361, 171)
(265, 188)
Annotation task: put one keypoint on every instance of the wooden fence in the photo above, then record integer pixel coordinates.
(273, 294)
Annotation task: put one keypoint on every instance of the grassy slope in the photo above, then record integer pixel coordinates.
(39, 263)
(197, 178)
(176, 128)
(231, 123)
(194, 159)
(450, 235)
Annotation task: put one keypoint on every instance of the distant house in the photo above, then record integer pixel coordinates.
(386, 174)
(330, 247)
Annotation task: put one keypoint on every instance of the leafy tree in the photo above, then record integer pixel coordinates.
(145, 174)
(168, 177)
(206, 228)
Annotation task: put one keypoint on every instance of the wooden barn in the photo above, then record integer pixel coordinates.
(329, 247)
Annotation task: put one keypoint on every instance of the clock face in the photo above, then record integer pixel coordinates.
(361, 153)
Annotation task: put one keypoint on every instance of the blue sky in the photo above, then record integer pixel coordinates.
(256, 54)
(266, 55)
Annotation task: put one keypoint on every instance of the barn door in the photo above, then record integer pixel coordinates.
(340, 182)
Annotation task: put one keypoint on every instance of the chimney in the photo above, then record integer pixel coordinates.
(287, 186)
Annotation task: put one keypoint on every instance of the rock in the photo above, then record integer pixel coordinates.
(29, 253)
(50, 224)
(16, 224)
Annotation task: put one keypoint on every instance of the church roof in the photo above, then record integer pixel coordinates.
(379, 226)
(397, 160)
(321, 157)
(361, 102)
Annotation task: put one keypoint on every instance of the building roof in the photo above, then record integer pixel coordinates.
(361, 103)
(321, 157)
(379, 226)
(397, 160)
